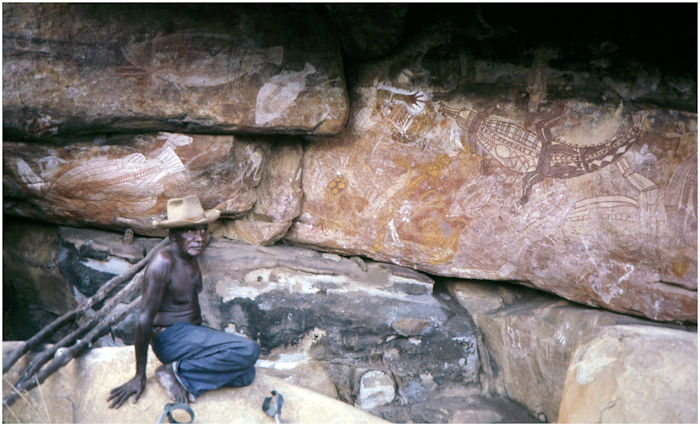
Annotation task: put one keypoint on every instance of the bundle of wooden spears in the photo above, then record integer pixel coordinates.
(94, 325)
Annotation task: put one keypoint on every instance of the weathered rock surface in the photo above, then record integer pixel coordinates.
(531, 336)
(361, 320)
(121, 182)
(79, 68)
(78, 393)
(456, 160)
(34, 290)
(633, 374)
(594, 202)
(278, 198)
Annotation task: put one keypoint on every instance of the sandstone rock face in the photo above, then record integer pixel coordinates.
(78, 393)
(531, 336)
(594, 203)
(450, 163)
(633, 374)
(385, 342)
(278, 199)
(124, 182)
(78, 68)
(467, 152)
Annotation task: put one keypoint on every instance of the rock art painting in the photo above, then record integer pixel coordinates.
(565, 196)
(537, 80)
(134, 174)
(400, 107)
(125, 181)
(279, 93)
(638, 216)
(196, 59)
(681, 200)
(537, 154)
(67, 72)
(425, 222)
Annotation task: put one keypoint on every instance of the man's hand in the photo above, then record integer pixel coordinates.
(120, 394)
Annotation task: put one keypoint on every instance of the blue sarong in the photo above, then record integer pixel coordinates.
(205, 358)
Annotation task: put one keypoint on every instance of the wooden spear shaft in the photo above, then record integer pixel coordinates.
(50, 329)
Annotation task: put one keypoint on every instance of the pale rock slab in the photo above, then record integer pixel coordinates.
(376, 388)
(81, 68)
(633, 374)
(78, 393)
(296, 364)
(530, 337)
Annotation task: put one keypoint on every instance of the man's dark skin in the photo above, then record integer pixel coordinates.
(170, 295)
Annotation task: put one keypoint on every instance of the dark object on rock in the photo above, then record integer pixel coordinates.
(272, 405)
(168, 410)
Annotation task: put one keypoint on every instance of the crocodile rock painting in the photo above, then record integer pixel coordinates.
(539, 155)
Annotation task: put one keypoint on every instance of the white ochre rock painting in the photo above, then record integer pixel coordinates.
(132, 183)
(279, 93)
(196, 59)
(643, 210)
(436, 183)
(399, 107)
(134, 174)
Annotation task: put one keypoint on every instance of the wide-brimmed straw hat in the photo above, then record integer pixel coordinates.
(184, 212)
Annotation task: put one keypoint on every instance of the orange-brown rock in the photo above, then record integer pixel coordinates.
(278, 198)
(595, 204)
(125, 182)
(82, 68)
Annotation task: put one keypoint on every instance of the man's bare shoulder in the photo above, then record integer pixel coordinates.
(161, 264)
(163, 255)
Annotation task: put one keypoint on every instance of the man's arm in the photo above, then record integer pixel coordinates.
(156, 282)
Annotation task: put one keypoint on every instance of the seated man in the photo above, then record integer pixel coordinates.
(195, 358)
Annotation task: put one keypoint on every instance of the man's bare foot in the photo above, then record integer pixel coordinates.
(166, 378)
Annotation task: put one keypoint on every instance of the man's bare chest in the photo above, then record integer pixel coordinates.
(183, 285)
